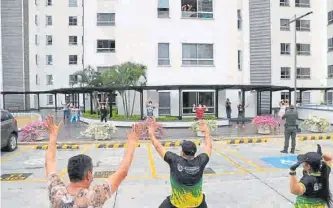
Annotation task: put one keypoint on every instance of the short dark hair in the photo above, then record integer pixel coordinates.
(78, 166)
(150, 102)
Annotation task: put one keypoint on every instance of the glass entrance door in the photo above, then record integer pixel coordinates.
(201, 97)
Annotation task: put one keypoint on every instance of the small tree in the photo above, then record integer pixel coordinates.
(126, 74)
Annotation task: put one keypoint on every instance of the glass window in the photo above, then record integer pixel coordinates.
(36, 40)
(49, 79)
(284, 2)
(239, 19)
(329, 98)
(72, 40)
(285, 48)
(49, 60)
(164, 107)
(240, 57)
(197, 9)
(48, 2)
(72, 20)
(198, 54)
(303, 49)
(203, 98)
(330, 44)
(49, 40)
(302, 3)
(105, 19)
(330, 71)
(303, 73)
(330, 17)
(106, 46)
(285, 72)
(49, 99)
(72, 59)
(163, 54)
(284, 25)
(72, 3)
(48, 20)
(285, 96)
(163, 9)
(303, 25)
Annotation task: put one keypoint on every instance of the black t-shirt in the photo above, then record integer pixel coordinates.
(240, 108)
(227, 104)
(104, 111)
(186, 179)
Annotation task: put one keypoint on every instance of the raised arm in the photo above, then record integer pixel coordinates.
(208, 140)
(116, 178)
(53, 130)
(193, 108)
(158, 146)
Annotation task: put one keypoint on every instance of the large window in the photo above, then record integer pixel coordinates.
(197, 54)
(303, 25)
(285, 96)
(164, 101)
(163, 9)
(72, 3)
(239, 57)
(330, 44)
(163, 54)
(197, 9)
(36, 59)
(49, 99)
(285, 48)
(303, 73)
(285, 72)
(49, 79)
(72, 59)
(203, 98)
(329, 98)
(303, 49)
(284, 25)
(49, 60)
(302, 3)
(73, 79)
(284, 2)
(72, 40)
(48, 2)
(49, 40)
(330, 72)
(239, 19)
(106, 46)
(37, 79)
(48, 20)
(72, 20)
(330, 17)
(106, 19)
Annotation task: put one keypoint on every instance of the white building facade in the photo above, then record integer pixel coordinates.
(330, 50)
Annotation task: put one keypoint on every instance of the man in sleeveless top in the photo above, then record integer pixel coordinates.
(80, 172)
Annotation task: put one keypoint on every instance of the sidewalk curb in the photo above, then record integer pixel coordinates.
(315, 137)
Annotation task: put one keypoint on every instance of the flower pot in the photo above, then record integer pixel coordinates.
(40, 138)
(200, 134)
(262, 130)
(314, 129)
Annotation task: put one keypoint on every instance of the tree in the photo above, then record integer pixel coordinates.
(126, 74)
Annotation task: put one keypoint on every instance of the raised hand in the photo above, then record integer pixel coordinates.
(51, 127)
(203, 127)
(134, 134)
(152, 127)
(295, 166)
(319, 151)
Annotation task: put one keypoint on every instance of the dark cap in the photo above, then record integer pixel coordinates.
(189, 148)
(313, 158)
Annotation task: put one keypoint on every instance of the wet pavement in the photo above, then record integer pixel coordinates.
(245, 175)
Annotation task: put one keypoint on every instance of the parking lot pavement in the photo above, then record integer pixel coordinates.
(245, 175)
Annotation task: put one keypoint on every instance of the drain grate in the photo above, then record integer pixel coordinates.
(209, 171)
(103, 174)
(15, 176)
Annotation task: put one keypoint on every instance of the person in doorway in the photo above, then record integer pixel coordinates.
(241, 114)
(150, 109)
(313, 189)
(80, 172)
(104, 113)
(290, 130)
(199, 111)
(283, 108)
(186, 170)
(228, 108)
(66, 112)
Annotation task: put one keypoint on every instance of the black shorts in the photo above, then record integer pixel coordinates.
(167, 203)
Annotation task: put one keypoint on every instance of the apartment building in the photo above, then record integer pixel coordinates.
(330, 50)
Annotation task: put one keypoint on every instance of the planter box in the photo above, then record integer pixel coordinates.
(262, 130)
(314, 129)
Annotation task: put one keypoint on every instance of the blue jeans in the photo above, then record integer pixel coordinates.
(229, 113)
(66, 114)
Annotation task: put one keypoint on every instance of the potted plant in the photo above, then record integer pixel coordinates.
(144, 130)
(212, 125)
(100, 131)
(265, 124)
(315, 124)
(34, 131)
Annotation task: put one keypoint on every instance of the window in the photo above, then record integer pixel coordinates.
(72, 59)
(36, 20)
(239, 19)
(37, 79)
(49, 59)
(240, 60)
(303, 73)
(72, 3)
(49, 99)
(36, 40)
(330, 17)
(164, 101)
(285, 72)
(306, 97)
(73, 79)
(197, 54)
(330, 72)
(302, 3)
(329, 98)
(36, 2)
(49, 79)
(49, 20)
(72, 20)
(330, 44)
(303, 25)
(285, 96)
(163, 54)
(284, 25)
(102, 69)
(72, 40)
(285, 48)
(48, 2)
(303, 49)
(49, 40)
(206, 98)
(163, 9)
(105, 19)
(106, 46)
(284, 2)
(197, 9)
(36, 59)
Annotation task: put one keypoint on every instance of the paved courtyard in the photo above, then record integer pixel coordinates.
(245, 175)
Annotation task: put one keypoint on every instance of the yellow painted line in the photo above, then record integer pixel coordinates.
(64, 171)
(244, 159)
(167, 144)
(230, 160)
(64, 146)
(151, 161)
(116, 145)
(177, 143)
(17, 152)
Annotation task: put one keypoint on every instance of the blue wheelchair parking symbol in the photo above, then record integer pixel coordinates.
(281, 162)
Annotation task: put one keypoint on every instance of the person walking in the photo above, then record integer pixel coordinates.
(104, 113)
(228, 108)
(313, 189)
(290, 129)
(186, 170)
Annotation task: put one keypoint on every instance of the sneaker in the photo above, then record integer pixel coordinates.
(284, 151)
(292, 151)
